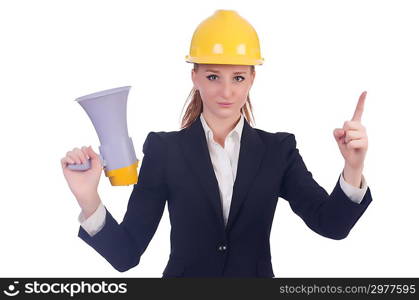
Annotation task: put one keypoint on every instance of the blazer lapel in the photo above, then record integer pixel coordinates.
(195, 148)
(252, 150)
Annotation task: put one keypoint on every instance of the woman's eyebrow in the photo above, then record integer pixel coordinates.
(215, 71)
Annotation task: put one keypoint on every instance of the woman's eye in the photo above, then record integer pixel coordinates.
(211, 76)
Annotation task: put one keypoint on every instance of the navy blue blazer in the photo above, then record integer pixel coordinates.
(177, 168)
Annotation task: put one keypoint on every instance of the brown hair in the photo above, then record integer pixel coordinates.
(195, 106)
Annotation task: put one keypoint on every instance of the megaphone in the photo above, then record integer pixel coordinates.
(108, 112)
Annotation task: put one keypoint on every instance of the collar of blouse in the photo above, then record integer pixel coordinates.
(236, 132)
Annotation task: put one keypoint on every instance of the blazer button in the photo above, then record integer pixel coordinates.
(222, 248)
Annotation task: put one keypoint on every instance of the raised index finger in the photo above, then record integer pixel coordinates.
(359, 107)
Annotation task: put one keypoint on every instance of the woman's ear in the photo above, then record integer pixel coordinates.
(253, 75)
(193, 77)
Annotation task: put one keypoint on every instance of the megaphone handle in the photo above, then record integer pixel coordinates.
(85, 166)
(80, 167)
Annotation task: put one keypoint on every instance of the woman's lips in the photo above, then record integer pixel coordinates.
(225, 104)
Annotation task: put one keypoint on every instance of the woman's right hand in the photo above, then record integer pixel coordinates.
(83, 184)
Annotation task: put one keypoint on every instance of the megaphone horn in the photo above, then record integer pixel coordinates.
(108, 112)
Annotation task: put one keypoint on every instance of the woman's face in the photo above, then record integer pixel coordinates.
(223, 88)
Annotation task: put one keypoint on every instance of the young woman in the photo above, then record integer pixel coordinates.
(220, 176)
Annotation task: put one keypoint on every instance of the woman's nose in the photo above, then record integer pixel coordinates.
(226, 90)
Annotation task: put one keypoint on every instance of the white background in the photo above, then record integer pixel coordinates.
(319, 57)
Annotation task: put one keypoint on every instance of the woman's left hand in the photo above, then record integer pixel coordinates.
(352, 138)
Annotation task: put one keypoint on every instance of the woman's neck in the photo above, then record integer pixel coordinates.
(221, 127)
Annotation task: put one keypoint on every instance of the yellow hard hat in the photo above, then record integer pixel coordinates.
(225, 38)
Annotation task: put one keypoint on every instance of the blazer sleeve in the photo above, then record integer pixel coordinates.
(123, 244)
(331, 216)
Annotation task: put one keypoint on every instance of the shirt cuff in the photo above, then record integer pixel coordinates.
(354, 193)
(94, 223)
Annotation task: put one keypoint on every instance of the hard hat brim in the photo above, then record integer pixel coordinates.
(224, 60)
